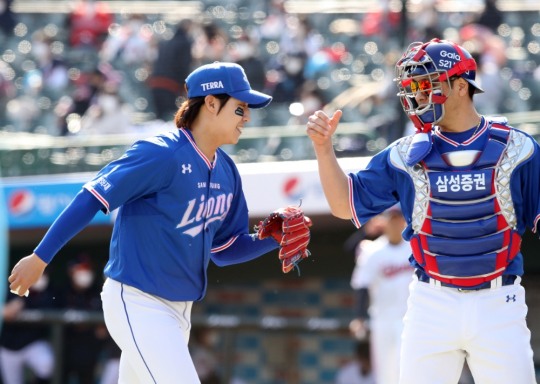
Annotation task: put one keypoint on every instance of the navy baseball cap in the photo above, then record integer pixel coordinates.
(227, 78)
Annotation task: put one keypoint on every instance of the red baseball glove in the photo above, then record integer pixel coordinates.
(290, 228)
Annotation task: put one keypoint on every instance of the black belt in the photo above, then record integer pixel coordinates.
(424, 278)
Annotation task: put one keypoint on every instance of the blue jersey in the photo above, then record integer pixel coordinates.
(382, 184)
(175, 208)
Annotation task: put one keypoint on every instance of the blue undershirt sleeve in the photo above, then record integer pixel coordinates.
(71, 221)
(245, 248)
(362, 311)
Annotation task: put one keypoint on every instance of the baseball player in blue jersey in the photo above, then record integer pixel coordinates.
(180, 204)
(469, 187)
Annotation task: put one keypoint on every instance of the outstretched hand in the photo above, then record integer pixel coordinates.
(321, 127)
(25, 274)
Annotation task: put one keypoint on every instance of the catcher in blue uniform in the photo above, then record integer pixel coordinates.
(180, 204)
(469, 187)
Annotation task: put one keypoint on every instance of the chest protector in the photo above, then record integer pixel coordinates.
(463, 218)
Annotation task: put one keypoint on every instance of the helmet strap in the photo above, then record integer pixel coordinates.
(419, 125)
(463, 66)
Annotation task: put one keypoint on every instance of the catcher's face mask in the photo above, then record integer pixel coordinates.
(424, 68)
(426, 109)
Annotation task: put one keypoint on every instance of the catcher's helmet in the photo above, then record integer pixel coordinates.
(438, 61)
(446, 57)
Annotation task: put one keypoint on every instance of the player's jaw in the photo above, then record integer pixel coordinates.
(238, 114)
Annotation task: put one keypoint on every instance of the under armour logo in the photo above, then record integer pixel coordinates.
(508, 298)
(186, 168)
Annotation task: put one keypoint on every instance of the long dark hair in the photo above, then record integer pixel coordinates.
(188, 111)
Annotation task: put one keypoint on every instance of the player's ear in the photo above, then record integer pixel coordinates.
(462, 86)
(211, 103)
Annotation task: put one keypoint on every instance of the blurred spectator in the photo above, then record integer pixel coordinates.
(322, 61)
(170, 69)
(298, 41)
(23, 345)
(381, 279)
(488, 49)
(111, 361)
(244, 52)
(210, 44)
(22, 112)
(83, 342)
(382, 23)
(299, 37)
(489, 76)
(287, 80)
(481, 40)
(7, 89)
(310, 100)
(358, 370)
(129, 42)
(491, 16)
(425, 24)
(87, 87)
(375, 103)
(52, 69)
(108, 115)
(202, 352)
(89, 23)
(274, 24)
(7, 17)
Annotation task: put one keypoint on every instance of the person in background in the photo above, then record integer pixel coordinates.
(358, 370)
(243, 52)
(88, 23)
(8, 92)
(491, 16)
(210, 42)
(111, 360)
(204, 356)
(84, 94)
(107, 115)
(27, 346)
(128, 44)
(52, 69)
(381, 281)
(8, 20)
(83, 342)
(172, 65)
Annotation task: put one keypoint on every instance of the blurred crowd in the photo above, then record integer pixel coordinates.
(93, 71)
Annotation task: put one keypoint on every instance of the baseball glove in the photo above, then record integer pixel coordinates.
(290, 228)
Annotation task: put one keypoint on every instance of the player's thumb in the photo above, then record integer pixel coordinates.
(334, 120)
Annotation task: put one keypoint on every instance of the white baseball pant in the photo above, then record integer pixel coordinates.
(443, 326)
(152, 333)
